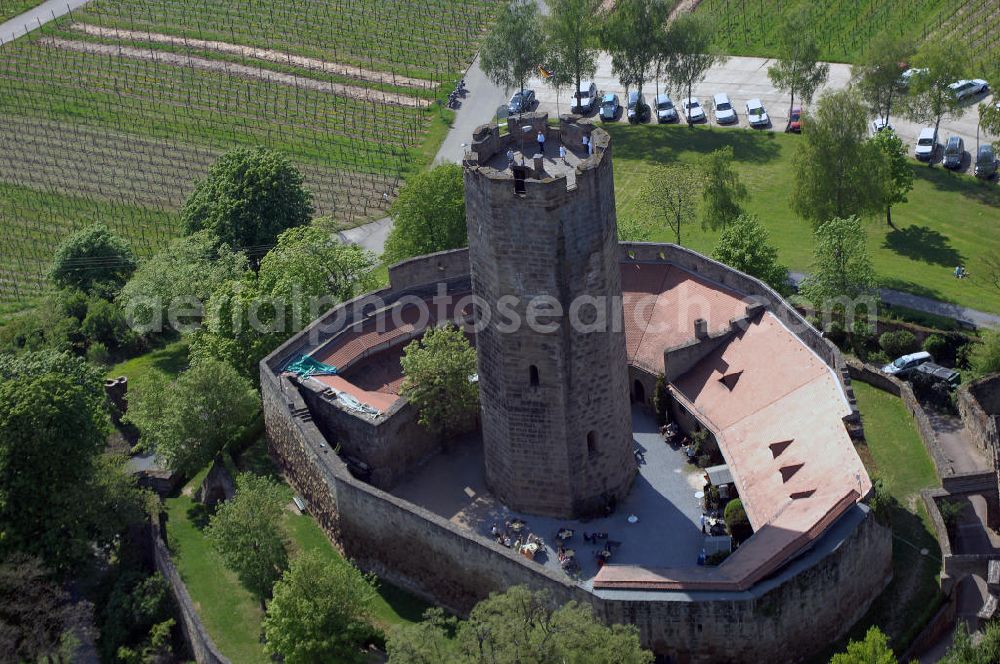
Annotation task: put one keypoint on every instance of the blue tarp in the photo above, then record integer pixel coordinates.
(307, 366)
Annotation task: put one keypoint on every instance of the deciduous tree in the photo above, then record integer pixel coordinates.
(247, 533)
(628, 33)
(671, 194)
(59, 497)
(188, 421)
(438, 372)
(35, 612)
(897, 174)
(723, 193)
(320, 612)
(842, 267)
(874, 649)
(930, 99)
(572, 33)
(519, 626)
(184, 274)
(428, 215)
(93, 260)
(745, 245)
(838, 172)
(691, 53)
(798, 69)
(985, 356)
(248, 198)
(515, 45)
(878, 76)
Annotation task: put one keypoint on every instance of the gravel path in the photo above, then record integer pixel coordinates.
(244, 71)
(36, 17)
(268, 55)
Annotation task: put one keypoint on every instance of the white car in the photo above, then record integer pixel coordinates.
(756, 115)
(588, 97)
(926, 143)
(910, 73)
(878, 124)
(902, 366)
(965, 88)
(724, 112)
(692, 109)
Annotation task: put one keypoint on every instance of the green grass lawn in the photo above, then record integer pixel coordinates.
(12, 8)
(168, 361)
(895, 453)
(230, 614)
(950, 218)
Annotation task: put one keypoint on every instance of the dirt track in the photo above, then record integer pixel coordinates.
(265, 54)
(233, 69)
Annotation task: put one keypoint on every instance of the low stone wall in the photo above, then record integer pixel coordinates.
(979, 404)
(195, 634)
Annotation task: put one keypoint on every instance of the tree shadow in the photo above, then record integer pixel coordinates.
(923, 244)
(200, 514)
(665, 143)
(982, 191)
(912, 288)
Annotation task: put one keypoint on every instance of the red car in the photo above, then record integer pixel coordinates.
(795, 120)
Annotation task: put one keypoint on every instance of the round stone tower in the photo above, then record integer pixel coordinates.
(553, 373)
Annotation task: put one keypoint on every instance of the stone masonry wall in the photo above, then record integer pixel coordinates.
(555, 404)
(979, 405)
(195, 634)
(443, 563)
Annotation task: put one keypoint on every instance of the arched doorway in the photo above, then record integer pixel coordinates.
(638, 391)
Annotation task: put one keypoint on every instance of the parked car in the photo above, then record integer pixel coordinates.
(724, 112)
(665, 111)
(636, 108)
(588, 97)
(939, 374)
(986, 162)
(903, 366)
(878, 124)
(954, 152)
(966, 88)
(910, 73)
(795, 120)
(521, 102)
(610, 107)
(693, 110)
(926, 143)
(756, 115)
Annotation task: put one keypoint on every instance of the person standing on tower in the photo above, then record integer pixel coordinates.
(541, 142)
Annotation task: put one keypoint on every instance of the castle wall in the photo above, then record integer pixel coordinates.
(441, 562)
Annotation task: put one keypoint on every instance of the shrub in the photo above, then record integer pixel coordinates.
(836, 333)
(937, 346)
(98, 354)
(736, 520)
(94, 260)
(898, 342)
(881, 501)
(661, 399)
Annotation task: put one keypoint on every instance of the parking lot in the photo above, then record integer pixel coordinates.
(746, 78)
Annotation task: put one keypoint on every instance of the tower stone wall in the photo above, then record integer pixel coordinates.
(553, 370)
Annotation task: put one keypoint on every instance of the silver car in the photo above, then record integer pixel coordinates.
(693, 110)
(965, 88)
(665, 111)
(756, 115)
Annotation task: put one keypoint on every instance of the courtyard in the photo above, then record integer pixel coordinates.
(663, 498)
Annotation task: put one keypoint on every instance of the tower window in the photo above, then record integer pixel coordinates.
(592, 443)
(533, 375)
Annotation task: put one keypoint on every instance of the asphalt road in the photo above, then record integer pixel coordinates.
(35, 18)
(746, 78)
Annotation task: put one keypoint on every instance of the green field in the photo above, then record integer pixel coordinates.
(230, 614)
(895, 453)
(845, 28)
(950, 218)
(11, 8)
(100, 125)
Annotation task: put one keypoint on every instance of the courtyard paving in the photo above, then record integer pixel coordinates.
(667, 534)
